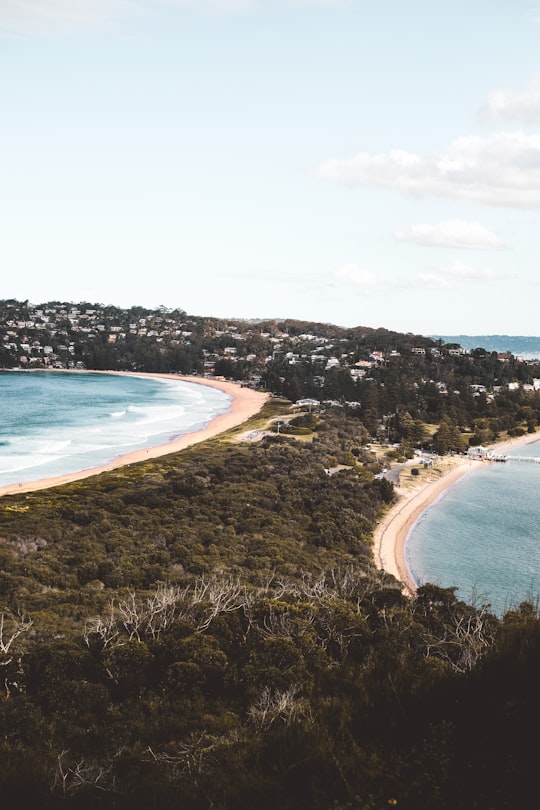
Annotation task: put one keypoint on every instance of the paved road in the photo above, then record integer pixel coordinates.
(393, 473)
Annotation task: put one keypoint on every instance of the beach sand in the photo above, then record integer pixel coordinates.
(391, 534)
(245, 403)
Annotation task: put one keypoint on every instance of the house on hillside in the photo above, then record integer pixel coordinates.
(306, 403)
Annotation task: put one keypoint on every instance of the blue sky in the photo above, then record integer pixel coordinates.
(348, 161)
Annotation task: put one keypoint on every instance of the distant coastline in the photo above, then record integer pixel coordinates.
(245, 402)
(526, 346)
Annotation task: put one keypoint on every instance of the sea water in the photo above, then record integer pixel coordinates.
(55, 423)
(483, 535)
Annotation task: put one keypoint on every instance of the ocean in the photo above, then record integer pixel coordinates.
(55, 423)
(483, 535)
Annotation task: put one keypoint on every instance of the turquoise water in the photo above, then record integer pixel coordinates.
(483, 535)
(58, 423)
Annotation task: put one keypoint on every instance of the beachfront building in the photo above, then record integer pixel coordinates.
(483, 454)
(478, 452)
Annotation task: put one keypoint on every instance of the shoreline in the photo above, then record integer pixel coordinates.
(245, 403)
(391, 534)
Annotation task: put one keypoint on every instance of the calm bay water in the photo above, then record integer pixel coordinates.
(483, 535)
(57, 423)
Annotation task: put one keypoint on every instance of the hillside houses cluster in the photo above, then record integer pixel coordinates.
(53, 335)
(56, 335)
(63, 335)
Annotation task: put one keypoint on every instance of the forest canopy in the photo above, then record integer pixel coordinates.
(209, 629)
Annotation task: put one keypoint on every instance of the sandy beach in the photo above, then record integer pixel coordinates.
(391, 533)
(245, 403)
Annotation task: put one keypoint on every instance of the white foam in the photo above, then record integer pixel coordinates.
(90, 436)
(55, 447)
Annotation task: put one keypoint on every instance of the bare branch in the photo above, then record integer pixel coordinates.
(462, 641)
(284, 706)
(11, 627)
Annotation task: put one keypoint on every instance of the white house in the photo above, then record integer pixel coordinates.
(478, 452)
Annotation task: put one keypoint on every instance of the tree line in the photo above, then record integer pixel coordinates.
(208, 630)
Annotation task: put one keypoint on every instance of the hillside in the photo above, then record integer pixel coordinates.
(208, 630)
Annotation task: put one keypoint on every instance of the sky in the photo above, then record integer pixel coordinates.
(356, 162)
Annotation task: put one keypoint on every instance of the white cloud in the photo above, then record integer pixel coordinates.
(454, 233)
(457, 275)
(503, 169)
(465, 273)
(432, 281)
(452, 277)
(356, 275)
(59, 17)
(511, 104)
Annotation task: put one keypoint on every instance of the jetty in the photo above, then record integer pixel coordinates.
(483, 454)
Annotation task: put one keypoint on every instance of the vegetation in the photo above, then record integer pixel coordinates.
(208, 630)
